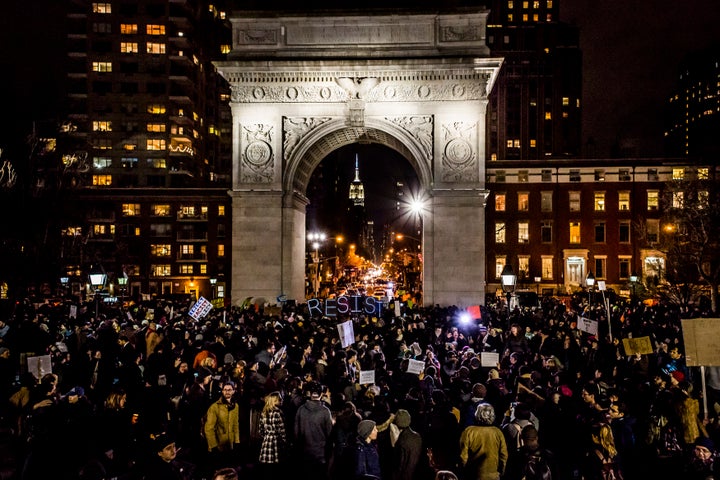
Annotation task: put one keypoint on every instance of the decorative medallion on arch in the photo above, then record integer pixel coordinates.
(304, 86)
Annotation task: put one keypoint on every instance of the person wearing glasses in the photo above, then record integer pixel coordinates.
(222, 429)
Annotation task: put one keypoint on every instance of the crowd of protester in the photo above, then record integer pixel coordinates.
(149, 392)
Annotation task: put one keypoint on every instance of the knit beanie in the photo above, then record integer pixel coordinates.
(402, 418)
(365, 427)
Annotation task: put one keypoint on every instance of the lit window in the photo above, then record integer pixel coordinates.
(499, 202)
(155, 29)
(599, 201)
(653, 199)
(549, 3)
(523, 266)
(187, 250)
(678, 199)
(102, 180)
(523, 232)
(102, 126)
(624, 201)
(130, 209)
(533, 143)
(160, 270)
(523, 201)
(574, 201)
(161, 250)
(548, 115)
(155, 48)
(703, 197)
(547, 268)
(161, 210)
(678, 173)
(599, 175)
(499, 266)
(203, 269)
(156, 108)
(130, 145)
(565, 101)
(128, 28)
(500, 232)
(102, 162)
(128, 47)
(574, 232)
(101, 8)
(157, 163)
(187, 269)
(516, 143)
(546, 231)
(102, 66)
(225, 48)
(703, 173)
(221, 210)
(155, 144)
(156, 127)
(221, 250)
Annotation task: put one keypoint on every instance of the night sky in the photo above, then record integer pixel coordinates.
(631, 54)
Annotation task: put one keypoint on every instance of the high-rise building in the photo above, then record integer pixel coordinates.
(534, 110)
(693, 110)
(148, 134)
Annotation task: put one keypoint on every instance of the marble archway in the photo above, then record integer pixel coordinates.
(305, 86)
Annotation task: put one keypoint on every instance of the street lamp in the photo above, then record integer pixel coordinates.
(213, 282)
(64, 282)
(508, 279)
(633, 282)
(590, 282)
(315, 239)
(97, 280)
(122, 283)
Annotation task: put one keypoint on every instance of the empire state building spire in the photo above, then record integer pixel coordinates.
(357, 191)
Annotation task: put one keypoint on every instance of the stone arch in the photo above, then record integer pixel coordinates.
(303, 86)
(315, 146)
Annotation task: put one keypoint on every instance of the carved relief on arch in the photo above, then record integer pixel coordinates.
(420, 127)
(257, 159)
(295, 128)
(459, 158)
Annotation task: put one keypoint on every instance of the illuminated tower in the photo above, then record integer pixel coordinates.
(357, 191)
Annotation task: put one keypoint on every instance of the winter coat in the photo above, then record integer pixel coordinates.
(222, 429)
(483, 452)
(406, 454)
(367, 460)
(272, 432)
(313, 424)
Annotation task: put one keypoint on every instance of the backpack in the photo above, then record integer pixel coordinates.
(537, 468)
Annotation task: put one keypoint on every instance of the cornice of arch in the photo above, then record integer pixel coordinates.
(427, 82)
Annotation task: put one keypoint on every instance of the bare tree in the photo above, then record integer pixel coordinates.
(691, 236)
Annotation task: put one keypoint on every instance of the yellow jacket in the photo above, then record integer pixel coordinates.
(222, 429)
